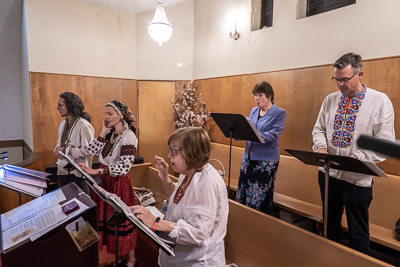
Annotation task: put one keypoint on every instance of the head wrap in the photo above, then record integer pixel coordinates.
(124, 112)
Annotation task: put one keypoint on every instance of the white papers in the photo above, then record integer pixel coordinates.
(24, 178)
(24, 181)
(29, 227)
(31, 208)
(36, 218)
(376, 169)
(82, 207)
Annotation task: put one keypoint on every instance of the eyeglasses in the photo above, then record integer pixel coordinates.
(174, 152)
(343, 80)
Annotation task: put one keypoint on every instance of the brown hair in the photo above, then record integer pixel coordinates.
(195, 146)
(265, 88)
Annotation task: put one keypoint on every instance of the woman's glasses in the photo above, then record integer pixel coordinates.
(174, 152)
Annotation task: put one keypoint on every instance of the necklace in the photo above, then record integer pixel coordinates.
(181, 190)
(116, 138)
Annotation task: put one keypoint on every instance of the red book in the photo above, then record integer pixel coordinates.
(70, 207)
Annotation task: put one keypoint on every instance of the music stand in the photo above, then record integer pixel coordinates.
(236, 126)
(69, 168)
(159, 238)
(343, 163)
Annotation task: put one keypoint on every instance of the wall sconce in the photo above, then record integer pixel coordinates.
(4, 153)
(234, 36)
(160, 30)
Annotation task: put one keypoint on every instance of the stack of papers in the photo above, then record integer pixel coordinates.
(24, 181)
(35, 218)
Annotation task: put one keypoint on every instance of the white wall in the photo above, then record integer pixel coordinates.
(25, 89)
(76, 37)
(156, 62)
(370, 28)
(10, 66)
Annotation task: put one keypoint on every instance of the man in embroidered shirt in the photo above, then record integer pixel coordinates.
(74, 135)
(345, 115)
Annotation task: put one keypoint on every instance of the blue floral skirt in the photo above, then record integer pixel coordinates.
(256, 184)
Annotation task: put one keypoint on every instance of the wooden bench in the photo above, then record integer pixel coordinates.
(297, 190)
(256, 239)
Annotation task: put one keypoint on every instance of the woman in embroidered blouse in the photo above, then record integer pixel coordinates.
(260, 161)
(197, 211)
(116, 149)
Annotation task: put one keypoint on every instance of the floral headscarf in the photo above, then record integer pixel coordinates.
(124, 112)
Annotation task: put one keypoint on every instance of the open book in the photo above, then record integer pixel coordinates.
(24, 181)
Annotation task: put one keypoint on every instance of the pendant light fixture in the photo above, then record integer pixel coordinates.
(159, 28)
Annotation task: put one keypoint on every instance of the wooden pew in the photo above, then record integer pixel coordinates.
(297, 190)
(256, 239)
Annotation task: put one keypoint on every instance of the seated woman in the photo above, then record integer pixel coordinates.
(197, 212)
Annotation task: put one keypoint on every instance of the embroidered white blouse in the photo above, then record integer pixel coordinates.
(371, 114)
(201, 217)
(76, 145)
(119, 156)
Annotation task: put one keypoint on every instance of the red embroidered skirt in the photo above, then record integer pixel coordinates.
(122, 187)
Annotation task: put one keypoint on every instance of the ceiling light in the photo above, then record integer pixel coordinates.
(159, 28)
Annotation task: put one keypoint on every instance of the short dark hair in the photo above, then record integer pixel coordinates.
(265, 88)
(349, 59)
(195, 146)
(75, 105)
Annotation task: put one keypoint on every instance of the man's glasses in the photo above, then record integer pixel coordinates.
(174, 152)
(343, 80)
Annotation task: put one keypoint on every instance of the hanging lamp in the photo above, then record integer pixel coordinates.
(159, 28)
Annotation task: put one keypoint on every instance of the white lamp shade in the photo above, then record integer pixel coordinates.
(159, 28)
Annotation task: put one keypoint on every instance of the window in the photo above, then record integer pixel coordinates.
(262, 14)
(315, 7)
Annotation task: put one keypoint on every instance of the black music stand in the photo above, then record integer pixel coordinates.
(236, 126)
(68, 167)
(343, 163)
(116, 218)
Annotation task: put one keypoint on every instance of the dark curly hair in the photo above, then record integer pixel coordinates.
(75, 105)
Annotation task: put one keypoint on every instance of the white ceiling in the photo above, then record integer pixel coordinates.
(133, 6)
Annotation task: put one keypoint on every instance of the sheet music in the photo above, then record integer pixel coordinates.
(28, 189)
(30, 172)
(23, 178)
(376, 169)
(255, 130)
(29, 227)
(120, 206)
(31, 208)
(82, 208)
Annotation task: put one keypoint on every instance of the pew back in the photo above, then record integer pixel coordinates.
(256, 239)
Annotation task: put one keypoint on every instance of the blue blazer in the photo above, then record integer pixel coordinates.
(270, 127)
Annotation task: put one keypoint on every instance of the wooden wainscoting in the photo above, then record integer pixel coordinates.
(156, 118)
(95, 93)
(300, 92)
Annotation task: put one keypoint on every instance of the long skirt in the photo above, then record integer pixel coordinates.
(256, 184)
(127, 235)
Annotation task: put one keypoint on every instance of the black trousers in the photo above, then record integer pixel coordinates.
(355, 200)
(80, 182)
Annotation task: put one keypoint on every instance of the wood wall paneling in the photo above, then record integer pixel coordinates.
(95, 93)
(300, 92)
(156, 118)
